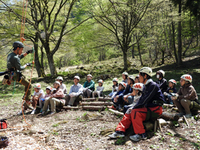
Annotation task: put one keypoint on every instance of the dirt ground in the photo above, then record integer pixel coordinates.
(80, 130)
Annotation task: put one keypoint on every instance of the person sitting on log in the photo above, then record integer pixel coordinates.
(125, 77)
(114, 88)
(148, 107)
(89, 87)
(120, 92)
(185, 96)
(75, 92)
(99, 89)
(56, 99)
(137, 79)
(47, 95)
(62, 85)
(162, 82)
(137, 92)
(171, 90)
(128, 98)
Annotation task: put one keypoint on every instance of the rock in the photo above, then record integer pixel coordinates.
(172, 132)
(128, 142)
(180, 120)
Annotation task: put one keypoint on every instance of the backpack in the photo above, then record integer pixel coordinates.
(3, 124)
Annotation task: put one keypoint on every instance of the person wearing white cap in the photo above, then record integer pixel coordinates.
(162, 82)
(185, 96)
(75, 92)
(125, 77)
(89, 86)
(62, 85)
(99, 89)
(114, 88)
(56, 99)
(171, 90)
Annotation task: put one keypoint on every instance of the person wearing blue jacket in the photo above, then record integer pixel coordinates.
(148, 107)
(120, 92)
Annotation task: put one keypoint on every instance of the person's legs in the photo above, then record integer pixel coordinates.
(67, 99)
(72, 100)
(186, 105)
(124, 123)
(179, 106)
(46, 104)
(55, 102)
(25, 83)
(89, 93)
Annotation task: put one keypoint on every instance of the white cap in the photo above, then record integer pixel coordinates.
(59, 78)
(125, 73)
(173, 81)
(146, 70)
(89, 75)
(123, 84)
(100, 81)
(37, 85)
(56, 82)
(77, 77)
(115, 80)
(187, 77)
(49, 87)
(138, 86)
(162, 72)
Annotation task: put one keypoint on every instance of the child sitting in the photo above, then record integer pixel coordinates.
(137, 92)
(170, 90)
(38, 96)
(121, 90)
(99, 91)
(125, 77)
(162, 82)
(185, 95)
(114, 88)
(62, 85)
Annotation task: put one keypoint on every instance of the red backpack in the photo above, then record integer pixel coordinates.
(3, 124)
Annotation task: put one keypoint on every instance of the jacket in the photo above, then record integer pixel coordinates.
(128, 90)
(13, 61)
(90, 85)
(59, 94)
(187, 92)
(162, 84)
(150, 93)
(171, 90)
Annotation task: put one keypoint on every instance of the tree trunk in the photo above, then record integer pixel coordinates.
(173, 42)
(51, 65)
(179, 38)
(125, 60)
(133, 56)
(163, 56)
(39, 67)
(138, 46)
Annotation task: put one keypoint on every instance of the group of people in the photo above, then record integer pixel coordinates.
(140, 98)
(148, 98)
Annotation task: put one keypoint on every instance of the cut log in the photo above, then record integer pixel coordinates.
(97, 103)
(71, 108)
(169, 116)
(89, 99)
(116, 112)
(96, 108)
(104, 99)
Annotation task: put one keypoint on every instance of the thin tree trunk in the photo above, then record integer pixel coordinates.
(179, 38)
(173, 42)
(138, 46)
(51, 64)
(133, 56)
(125, 60)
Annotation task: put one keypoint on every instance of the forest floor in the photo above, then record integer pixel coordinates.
(81, 129)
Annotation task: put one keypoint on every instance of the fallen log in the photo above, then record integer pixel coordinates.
(89, 99)
(169, 116)
(104, 99)
(93, 108)
(97, 103)
(116, 112)
(71, 107)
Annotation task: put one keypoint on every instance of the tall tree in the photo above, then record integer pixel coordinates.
(120, 17)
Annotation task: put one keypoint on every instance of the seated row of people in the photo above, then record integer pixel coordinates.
(148, 103)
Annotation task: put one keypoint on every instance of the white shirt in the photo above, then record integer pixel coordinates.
(38, 93)
(63, 87)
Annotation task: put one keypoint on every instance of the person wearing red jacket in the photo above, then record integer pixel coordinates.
(56, 99)
(148, 107)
